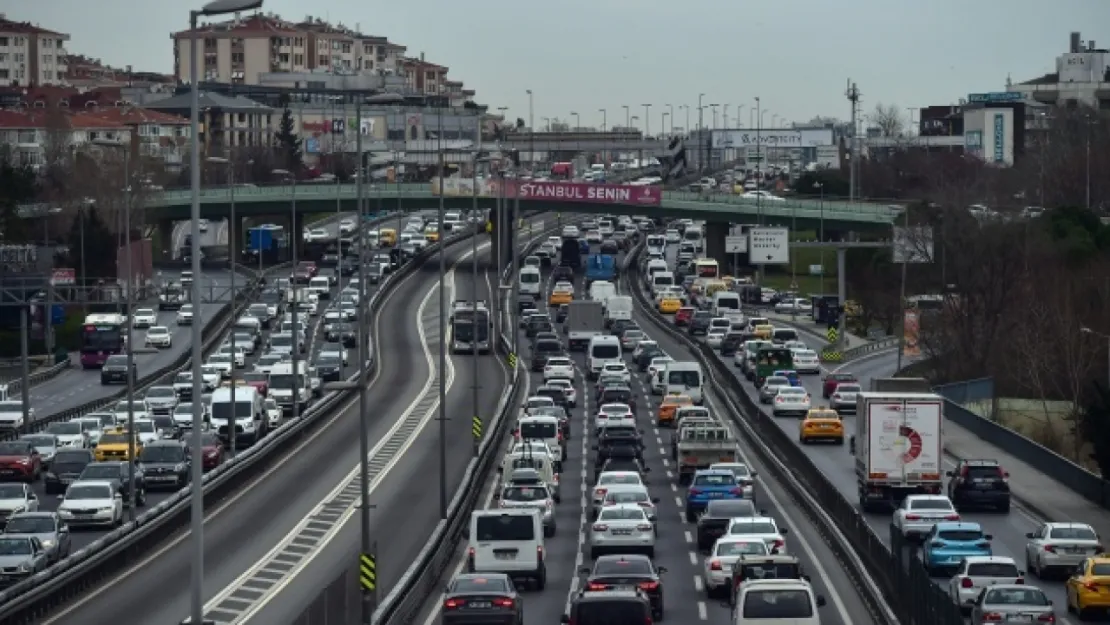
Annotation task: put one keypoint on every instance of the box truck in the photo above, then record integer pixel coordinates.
(898, 447)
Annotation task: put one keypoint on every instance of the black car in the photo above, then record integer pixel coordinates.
(617, 395)
(643, 361)
(482, 598)
(713, 523)
(731, 343)
(561, 313)
(537, 324)
(542, 350)
(614, 444)
(610, 246)
(621, 463)
(348, 267)
(118, 472)
(338, 332)
(165, 464)
(618, 326)
(65, 469)
(556, 393)
(623, 452)
(699, 323)
(979, 483)
(562, 273)
(115, 370)
(625, 606)
(613, 572)
(329, 368)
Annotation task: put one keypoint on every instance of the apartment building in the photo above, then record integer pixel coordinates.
(29, 133)
(153, 134)
(424, 77)
(238, 51)
(31, 55)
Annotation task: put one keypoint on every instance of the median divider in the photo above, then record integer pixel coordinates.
(29, 601)
(894, 592)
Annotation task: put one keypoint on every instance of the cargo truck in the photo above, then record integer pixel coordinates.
(701, 444)
(585, 320)
(898, 447)
(601, 267)
(901, 385)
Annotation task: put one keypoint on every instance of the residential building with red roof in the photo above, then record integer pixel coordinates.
(30, 132)
(31, 55)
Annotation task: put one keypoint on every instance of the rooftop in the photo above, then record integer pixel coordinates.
(253, 24)
(50, 119)
(210, 100)
(8, 26)
(133, 115)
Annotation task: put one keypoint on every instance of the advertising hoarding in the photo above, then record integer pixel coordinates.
(556, 191)
(772, 138)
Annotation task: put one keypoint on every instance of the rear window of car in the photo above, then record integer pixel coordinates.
(548, 347)
(479, 584)
(505, 527)
(988, 472)
(992, 569)
(1073, 533)
(629, 566)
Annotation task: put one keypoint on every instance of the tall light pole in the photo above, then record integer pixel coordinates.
(604, 121)
(713, 109)
(724, 115)
(701, 132)
(1106, 337)
(687, 126)
(531, 142)
(647, 120)
(231, 229)
(293, 230)
(217, 7)
(577, 120)
(443, 325)
(627, 115)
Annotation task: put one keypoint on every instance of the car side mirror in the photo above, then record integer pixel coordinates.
(500, 470)
(762, 512)
(820, 601)
(784, 531)
(63, 529)
(119, 496)
(988, 536)
(496, 496)
(950, 473)
(647, 469)
(661, 569)
(32, 496)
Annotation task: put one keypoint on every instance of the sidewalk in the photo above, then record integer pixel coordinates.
(1045, 497)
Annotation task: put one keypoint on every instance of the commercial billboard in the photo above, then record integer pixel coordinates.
(773, 138)
(556, 191)
(989, 135)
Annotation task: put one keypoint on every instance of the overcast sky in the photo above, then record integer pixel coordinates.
(797, 55)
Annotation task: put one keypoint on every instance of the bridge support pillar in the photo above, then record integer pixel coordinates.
(165, 240)
(715, 233)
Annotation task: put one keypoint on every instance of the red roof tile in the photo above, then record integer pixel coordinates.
(133, 115)
(43, 118)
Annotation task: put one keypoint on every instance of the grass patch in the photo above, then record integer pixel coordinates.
(807, 284)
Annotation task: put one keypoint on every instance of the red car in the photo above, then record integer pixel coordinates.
(828, 384)
(19, 461)
(213, 451)
(307, 265)
(683, 316)
(260, 381)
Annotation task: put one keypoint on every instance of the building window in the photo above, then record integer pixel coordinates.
(209, 44)
(298, 59)
(346, 48)
(322, 62)
(237, 57)
(283, 57)
(3, 42)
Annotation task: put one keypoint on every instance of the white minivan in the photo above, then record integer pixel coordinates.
(724, 302)
(684, 378)
(530, 281)
(661, 279)
(603, 349)
(509, 541)
(543, 428)
(777, 602)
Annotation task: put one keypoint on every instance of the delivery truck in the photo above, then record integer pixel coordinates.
(585, 320)
(898, 447)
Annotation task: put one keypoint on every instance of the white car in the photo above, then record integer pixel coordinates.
(340, 354)
(805, 361)
(614, 415)
(789, 306)
(658, 364)
(211, 375)
(138, 411)
(641, 346)
(11, 415)
(630, 494)
(98, 496)
(568, 390)
(790, 400)
(273, 411)
(16, 498)
(593, 236)
(715, 336)
(316, 234)
(558, 368)
(976, 573)
(202, 225)
(159, 336)
(266, 362)
(144, 318)
(148, 431)
(570, 232)
(794, 346)
(70, 434)
(725, 553)
(631, 338)
(346, 226)
(917, 514)
(613, 478)
(623, 528)
(185, 315)
(222, 362)
(1060, 547)
(616, 369)
(759, 527)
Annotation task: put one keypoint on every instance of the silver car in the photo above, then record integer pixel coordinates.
(1010, 603)
(622, 528)
(843, 398)
(978, 572)
(46, 444)
(1060, 547)
(531, 496)
(771, 388)
(726, 552)
(917, 514)
(47, 527)
(745, 477)
(20, 558)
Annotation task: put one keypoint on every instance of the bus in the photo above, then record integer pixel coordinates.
(769, 360)
(470, 327)
(102, 335)
(706, 268)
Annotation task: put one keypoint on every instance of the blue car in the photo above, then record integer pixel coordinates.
(790, 374)
(707, 485)
(950, 542)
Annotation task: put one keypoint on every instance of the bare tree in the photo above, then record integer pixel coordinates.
(888, 119)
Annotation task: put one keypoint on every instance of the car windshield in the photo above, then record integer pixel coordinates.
(329, 361)
(116, 361)
(145, 427)
(745, 548)
(30, 525)
(40, 440)
(64, 428)
(15, 547)
(11, 491)
(1015, 596)
(13, 449)
(113, 438)
(163, 453)
(89, 491)
(157, 331)
(183, 409)
(777, 381)
(159, 392)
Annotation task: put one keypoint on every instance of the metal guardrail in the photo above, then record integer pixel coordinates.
(894, 591)
(27, 602)
(15, 385)
(422, 580)
(845, 355)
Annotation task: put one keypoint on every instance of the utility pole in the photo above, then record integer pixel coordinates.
(853, 95)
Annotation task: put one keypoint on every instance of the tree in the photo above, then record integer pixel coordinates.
(99, 246)
(888, 119)
(290, 143)
(17, 186)
(1094, 426)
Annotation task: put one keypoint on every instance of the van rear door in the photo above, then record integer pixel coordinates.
(506, 540)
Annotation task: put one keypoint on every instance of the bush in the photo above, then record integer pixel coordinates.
(67, 336)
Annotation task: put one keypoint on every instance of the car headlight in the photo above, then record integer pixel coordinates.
(49, 543)
(109, 509)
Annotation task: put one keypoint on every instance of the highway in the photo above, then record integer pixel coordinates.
(835, 462)
(245, 532)
(685, 599)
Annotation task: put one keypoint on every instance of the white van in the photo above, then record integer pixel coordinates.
(249, 413)
(684, 378)
(618, 307)
(321, 286)
(602, 290)
(661, 279)
(530, 281)
(287, 388)
(724, 302)
(693, 236)
(656, 244)
(509, 541)
(603, 350)
(652, 267)
(777, 602)
(543, 428)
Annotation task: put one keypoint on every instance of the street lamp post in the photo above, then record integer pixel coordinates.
(216, 7)
(531, 139)
(604, 119)
(577, 120)
(647, 120)
(231, 229)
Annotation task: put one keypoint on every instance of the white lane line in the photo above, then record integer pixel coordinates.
(688, 536)
(678, 502)
(584, 526)
(699, 586)
(693, 558)
(703, 612)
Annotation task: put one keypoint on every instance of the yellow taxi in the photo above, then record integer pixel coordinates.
(431, 234)
(669, 406)
(1088, 589)
(560, 296)
(821, 424)
(387, 237)
(115, 445)
(669, 305)
(763, 331)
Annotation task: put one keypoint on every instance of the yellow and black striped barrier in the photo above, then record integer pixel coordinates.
(831, 354)
(476, 427)
(512, 360)
(368, 572)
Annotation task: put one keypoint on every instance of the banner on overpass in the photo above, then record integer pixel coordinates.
(550, 190)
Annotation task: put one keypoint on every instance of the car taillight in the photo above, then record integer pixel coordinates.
(596, 586)
(600, 527)
(1091, 586)
(736, 491)
(836, 396)
(644, 527)
(1050, 548)
(779, 400)
(650, 585)
(694, 491)
(1020, 580)
(807, 398)
(992, 617)
(470, 552)
(778, 544)
(952, 517)
(1046, 618)
(1098, 548)
(548, 503)
(967, 583)
(913, 517)
(600, 492)
(715, 565)
(504, 602)
(453, 604)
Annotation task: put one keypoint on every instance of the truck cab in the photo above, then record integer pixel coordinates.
(289, 387)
